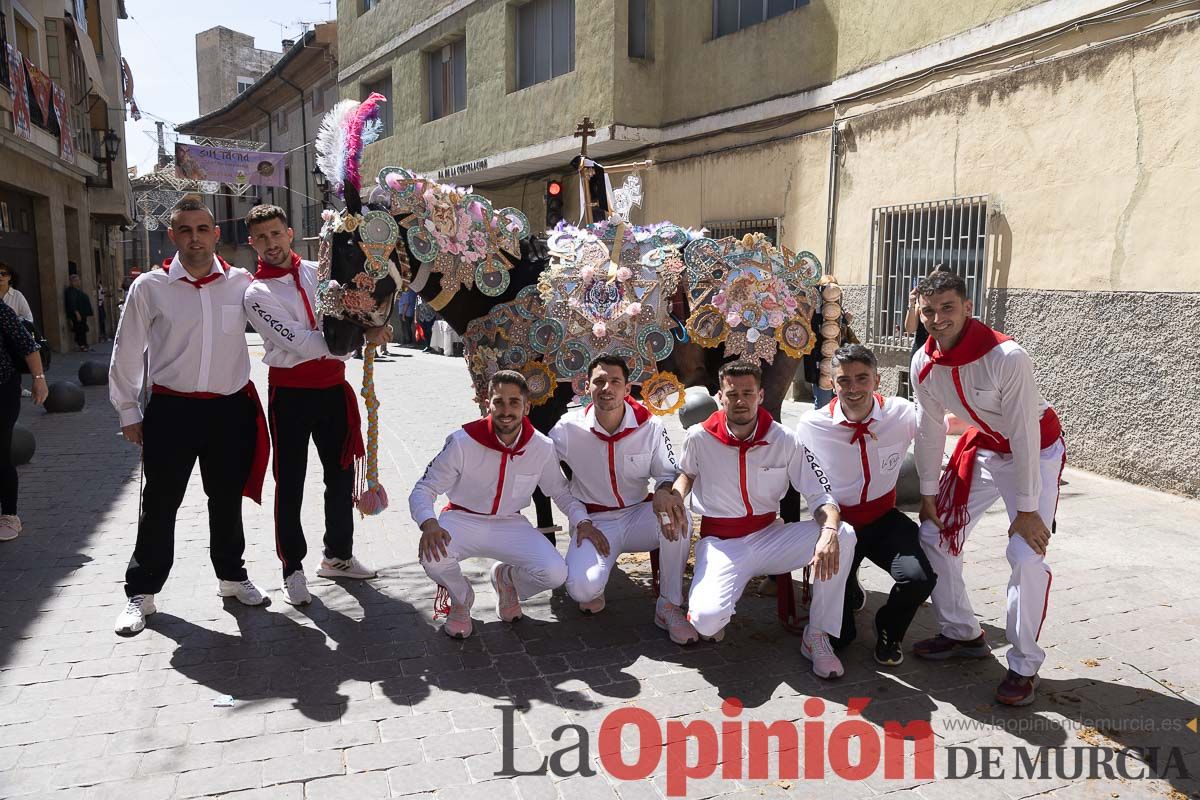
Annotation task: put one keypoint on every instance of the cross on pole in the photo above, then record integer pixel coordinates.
(583, 131)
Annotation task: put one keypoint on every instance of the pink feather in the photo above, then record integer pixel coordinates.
(354, 144)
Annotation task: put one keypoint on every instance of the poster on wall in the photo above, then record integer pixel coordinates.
(229, 165)
(66, 142)
(20, 111)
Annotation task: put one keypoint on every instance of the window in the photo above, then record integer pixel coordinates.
(26, 41)
(244, 83)
(5, 80)
(281, 120)
(769, 227)
(366, 5)
(730, 16)
(53, 50)
(639, 29)
(909, 242)
(383, 85)
(545, 40)
(447, 68)
(319, 98)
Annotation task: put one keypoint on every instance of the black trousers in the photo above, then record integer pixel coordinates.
(296, 415)
(892, 543)
(176, 432)
(80, 328)
(10, 409)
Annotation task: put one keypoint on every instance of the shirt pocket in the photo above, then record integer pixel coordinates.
(233, 320)
(771, 482)
(985, 400)
(637, 465)
(891, 458)
(523, 484)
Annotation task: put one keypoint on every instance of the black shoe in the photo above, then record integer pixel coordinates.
(856, 598)
(887, 651)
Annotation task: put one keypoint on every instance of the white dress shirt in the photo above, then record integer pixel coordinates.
(614, 474)
(195, 336)
(860, 468)
(276, 310)
(728, 484)
(20, 306)
(486, 481)
(1001, 390)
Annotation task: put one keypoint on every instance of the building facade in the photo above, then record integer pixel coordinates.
(1041, 148)
(64, 189)
(227, 64)
(281, 110)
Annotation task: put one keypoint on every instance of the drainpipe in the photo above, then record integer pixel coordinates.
(831, 211)
(304, 150)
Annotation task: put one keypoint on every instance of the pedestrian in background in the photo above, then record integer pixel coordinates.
(11, 296)
(406, 308)
(18, 344)
(101, 315)
(79, 308)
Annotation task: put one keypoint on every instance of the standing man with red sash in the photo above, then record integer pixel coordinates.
(1013, 451)
(309, 399)
(738, 465)
(187, 321)
(861, 439)
(615, 450)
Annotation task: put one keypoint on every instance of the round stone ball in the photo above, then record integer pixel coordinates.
(23, 445)
(93, 373)
(698, 405)
(65, 397)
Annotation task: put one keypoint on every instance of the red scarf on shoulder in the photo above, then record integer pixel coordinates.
(264, 271)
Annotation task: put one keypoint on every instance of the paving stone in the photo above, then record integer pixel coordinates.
(348, 787)
(337, 737)
(371, 757)
(427, 777)
(219, 780)
(302, 768)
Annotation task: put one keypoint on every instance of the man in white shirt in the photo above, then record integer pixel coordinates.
(186, 321)
(1013, 451)
(614, 448)
(861, 439)
(309, 399)
(488, 470)
(738, 465)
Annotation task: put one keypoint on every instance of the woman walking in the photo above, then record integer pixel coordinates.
(18, 343)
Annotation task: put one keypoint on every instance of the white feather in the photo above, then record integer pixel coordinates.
(331, 141)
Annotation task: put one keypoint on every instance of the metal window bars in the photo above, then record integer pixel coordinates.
(768, 226)
(911, 240)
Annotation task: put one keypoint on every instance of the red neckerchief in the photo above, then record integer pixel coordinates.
(198, 282)
(264, 271)
(718, 426)
(977, 340)
(640, 415)
(481, 430)
(861, 429)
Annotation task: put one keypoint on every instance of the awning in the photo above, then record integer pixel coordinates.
(89, 59)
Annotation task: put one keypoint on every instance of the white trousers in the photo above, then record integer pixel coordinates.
(537, 565)
(725, 566)
(1029, 582)
(634, 529)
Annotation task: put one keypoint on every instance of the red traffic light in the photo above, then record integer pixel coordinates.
(554, 188)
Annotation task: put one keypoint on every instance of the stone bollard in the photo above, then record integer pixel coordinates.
(908, 486)
(697, 406)
(64, 397)
(23, 445)
(93, 373)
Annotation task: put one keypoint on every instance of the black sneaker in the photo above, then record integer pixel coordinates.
(856, 598)
(887, 651)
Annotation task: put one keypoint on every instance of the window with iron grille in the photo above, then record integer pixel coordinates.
(909, 242)
(545, 40)
(768, 226)
(730, 16)
(447, 70)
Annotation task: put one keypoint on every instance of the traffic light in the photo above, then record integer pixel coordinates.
(554, 203)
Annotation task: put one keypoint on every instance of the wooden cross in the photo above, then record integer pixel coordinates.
(583, 131)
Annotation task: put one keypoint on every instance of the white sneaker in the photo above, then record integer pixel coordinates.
(133, 618)
(26, 393)
(245, 591)
(350, 568)
(10, 526)
(295, 589)
(814, 645)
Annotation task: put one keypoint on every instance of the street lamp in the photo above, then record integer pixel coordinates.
(112, 146)
(322, 184)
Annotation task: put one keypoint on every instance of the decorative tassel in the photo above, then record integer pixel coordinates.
(441, 602)
(371, 498)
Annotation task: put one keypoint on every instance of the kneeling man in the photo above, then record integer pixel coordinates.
(861, 439)
(613, 449)
(738, 465)
(488, 470)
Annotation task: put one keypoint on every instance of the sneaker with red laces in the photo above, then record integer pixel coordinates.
(939, 648)
(508, 603)
(592, 606)
(671, 619)
(814, 646)
(458, 623)
(1017, 689)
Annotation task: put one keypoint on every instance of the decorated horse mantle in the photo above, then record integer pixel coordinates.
(607, 290)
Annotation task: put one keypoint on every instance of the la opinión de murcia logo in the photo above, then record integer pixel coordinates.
(852, 749)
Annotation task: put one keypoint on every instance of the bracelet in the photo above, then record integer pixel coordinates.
(829, 528)
(39, 377)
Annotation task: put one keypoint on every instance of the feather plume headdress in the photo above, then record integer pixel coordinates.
(345, 130)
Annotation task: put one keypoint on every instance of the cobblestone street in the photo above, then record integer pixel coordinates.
(360, 696)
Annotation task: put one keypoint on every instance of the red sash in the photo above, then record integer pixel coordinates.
(262, 441)
(325, 373)
(864, 514)
(735, 527)
(596, 508)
